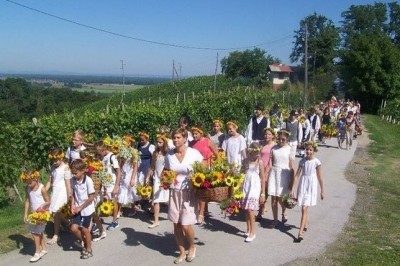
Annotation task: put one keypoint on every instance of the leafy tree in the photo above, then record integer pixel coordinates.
(370, 61)
(323, 42)
(249, 64)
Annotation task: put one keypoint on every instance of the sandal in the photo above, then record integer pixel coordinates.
(191, 258)
(284, 218)
(179, 260)
(200, 219)
(53, 240)
(86, 254)
(300, 237)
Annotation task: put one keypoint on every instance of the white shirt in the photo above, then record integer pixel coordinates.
(81, 191)
(249, 130)
(233, 147)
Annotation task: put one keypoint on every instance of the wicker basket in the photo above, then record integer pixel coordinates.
(218, 194)
(203, 194)
(96, 182)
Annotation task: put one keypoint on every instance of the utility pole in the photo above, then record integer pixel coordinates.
(123, 77)
(305, 65)
(180, 71)
(173, 72)
(215, 75)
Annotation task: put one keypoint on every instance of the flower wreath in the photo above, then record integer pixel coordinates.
(198, 130)
(232, 124)
(32, 176)
(160, 136)
(144, 134)
(313, 144)
(56, 157)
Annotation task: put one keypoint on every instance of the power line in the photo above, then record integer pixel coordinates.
(139, 39)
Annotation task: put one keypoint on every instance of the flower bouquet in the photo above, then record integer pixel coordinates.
(168, 177)
(288, 201)
(144, 191)
(65, 210)
(38, 218)
(231, 206)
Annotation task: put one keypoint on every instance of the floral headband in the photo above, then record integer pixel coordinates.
(284, 132)
(232, 124)
(56, 157)
(313, 144)
(217, 121)
(198, 130)
(32, 176)
(270, 130)
(129, 139)
(160, 136)
(256, 150)
(144, 134)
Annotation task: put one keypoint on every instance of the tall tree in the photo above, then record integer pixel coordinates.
(323, 42)
(248, 64)
(370, 61)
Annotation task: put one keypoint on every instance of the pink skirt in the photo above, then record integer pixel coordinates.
(182, 207)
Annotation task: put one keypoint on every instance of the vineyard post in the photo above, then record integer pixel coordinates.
(177, 98)
(215, 75)
(193, 94)
(159, 101)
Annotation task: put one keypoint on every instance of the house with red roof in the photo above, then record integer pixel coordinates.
(279, 73)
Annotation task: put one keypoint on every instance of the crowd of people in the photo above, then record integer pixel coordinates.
(265, 154)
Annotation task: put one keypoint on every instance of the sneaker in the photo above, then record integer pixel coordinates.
(35, 257)
(53, 240)
(43, 252)
(103, 235)
(113, 226)
(154, 225)
(95, 229)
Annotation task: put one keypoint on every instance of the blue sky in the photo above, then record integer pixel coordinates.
(32, 42)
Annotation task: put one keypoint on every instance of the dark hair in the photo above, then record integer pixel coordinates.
(260, 107)
(78, 165)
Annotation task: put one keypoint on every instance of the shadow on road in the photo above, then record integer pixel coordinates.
(163, 243)
(24, 244)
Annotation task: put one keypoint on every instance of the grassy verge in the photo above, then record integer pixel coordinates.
(13, 231)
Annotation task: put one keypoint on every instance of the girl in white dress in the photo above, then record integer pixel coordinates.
(253, 188)
(160, 195)
(234, 146)
(129, 157)
(36, 200)
(307, 190)
(281, 175)
(60, 183)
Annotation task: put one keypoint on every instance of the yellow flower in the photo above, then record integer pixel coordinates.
(107, 208)
(238, 195)
(198, 179)
(149, 189)
(229, 181)
(216, 178)
(236, 184)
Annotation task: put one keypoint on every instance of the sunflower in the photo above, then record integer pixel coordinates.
(106, 208)
(238, 195)
(149, 189)
(143, 192)
(229, 181)
(216, 178)
(198, 179)
(236, 185)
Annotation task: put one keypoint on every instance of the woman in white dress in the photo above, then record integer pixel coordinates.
(160, 195)
(182, 202)
(281, 175)
(307, 190)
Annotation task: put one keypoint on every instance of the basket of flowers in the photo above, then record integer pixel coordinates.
(38, 218)
(288, 201)
(231, 206)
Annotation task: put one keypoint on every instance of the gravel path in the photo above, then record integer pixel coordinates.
(220, 240)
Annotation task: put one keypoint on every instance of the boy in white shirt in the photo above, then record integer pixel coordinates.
(82, 206)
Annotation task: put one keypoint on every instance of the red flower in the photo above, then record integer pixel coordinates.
(206, 184)
(90, 169)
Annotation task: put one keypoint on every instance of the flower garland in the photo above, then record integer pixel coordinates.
(160, 136)
(32, 176)
(201, 132)
(56, 157)
(231, 123)
(313, 144)
(217, 121)
(144, 134)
